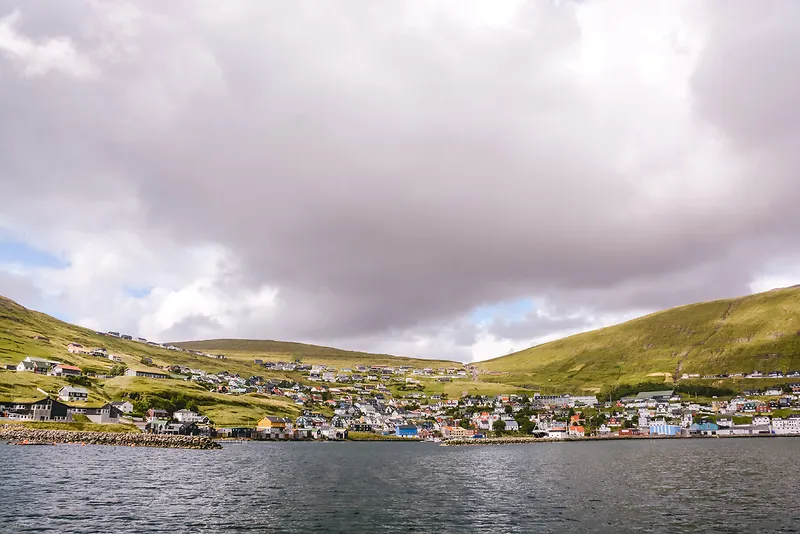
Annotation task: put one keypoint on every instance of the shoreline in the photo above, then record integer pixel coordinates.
(523, 440)
(16, 433)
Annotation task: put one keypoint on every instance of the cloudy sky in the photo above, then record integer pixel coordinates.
(429, 178)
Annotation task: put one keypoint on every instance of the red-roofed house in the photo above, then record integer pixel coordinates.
(66, 370)
(577, 431)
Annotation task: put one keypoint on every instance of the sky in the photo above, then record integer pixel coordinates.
(442, 179)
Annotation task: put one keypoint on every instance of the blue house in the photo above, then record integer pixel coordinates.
(660, 428)
(406, 431)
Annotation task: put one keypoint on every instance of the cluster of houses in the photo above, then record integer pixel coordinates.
(359, 399)
(46, 367)
(663, 413)
(754, 374)
(362, 373)
(100, 352)
(167, 346)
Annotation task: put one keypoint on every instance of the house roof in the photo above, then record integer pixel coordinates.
(70, 389)
(70, 367)
(650, 394)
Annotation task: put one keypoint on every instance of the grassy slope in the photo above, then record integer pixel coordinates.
(19, 325)
(758, 332)
(248, 349)
(223, 409)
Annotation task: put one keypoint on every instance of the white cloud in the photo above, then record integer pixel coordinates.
(367, 175)
(38, 58)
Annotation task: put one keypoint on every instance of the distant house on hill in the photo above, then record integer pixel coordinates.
(36, 365)
(123, 406)
(65, 370)
(75, 348)
(658, 396)
(157, 413)
(71, 394)
(146, 374)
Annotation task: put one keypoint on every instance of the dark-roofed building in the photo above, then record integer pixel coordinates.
(146, 374)
(41, 410)
(659, 396)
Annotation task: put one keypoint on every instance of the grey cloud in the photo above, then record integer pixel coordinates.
(534, 326)
(387, 173)
(193, 327)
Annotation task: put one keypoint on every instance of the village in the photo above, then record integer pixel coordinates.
(384, 402)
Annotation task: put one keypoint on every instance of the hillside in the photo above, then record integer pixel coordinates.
(739, 335)
(267, 350)
(25, 332)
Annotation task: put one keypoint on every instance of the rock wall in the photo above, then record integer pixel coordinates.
(16, 433)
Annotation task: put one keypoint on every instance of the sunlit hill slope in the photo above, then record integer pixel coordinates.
(724, 337)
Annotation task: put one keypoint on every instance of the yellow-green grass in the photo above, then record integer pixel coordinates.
(222, 409)
(19, 326)
(24, 387)
(274, 351)
(80, 427)
(458, 387)
(758, 332)
(28, 387)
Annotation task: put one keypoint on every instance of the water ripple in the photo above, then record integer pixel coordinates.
(658, 486)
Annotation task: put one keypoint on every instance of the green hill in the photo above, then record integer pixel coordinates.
(267, 350)
(25, 332)
(740, 335)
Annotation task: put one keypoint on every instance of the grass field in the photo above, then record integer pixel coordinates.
(224, 410)
(758, 332)
(82, 427)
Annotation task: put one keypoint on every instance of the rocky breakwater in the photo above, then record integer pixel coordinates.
(18, 434)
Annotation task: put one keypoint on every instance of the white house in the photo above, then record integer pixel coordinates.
(761, 420)
(123, 406)
(36, 365)
(786, 426)
(69, 393)
(511, 425)
(75, 348)
(65, 370)
(188, 416)
(686, 419)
